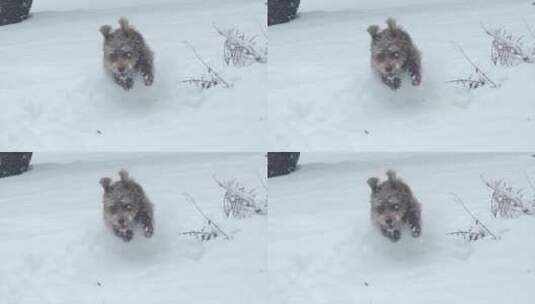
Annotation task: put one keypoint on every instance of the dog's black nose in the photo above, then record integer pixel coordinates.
(121, 69)
(388, 69)
(121, 221)
(388, 221)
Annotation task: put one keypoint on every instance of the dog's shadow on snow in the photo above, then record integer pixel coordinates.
(166, 92)
(374, 96)
(370, 251)
(377, 98)
(163, 247)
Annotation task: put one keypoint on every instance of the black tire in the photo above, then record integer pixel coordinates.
(14, 163)
(13, 11)
(281, 11)
(282, 163)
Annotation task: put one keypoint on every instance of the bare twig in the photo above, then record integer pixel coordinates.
(240, 49)
(469, 83)
(239, 201)
(531, 185)
(201, 235)
(476, 220)
(506, 201)
(530, 31)
(210, 69)
(201, 82)
(262, 182)
(506, 49)
(263, 30)
(190, 199)
(476, 68)
(470, 235)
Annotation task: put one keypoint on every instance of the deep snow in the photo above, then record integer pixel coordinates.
(56, 249)
(55, 96)
(323, 96)
(323, 249)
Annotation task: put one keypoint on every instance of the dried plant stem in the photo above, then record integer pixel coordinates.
(190, 199)
(530, 31)
(531, 185)
(210, 69)
(470, 83)
(476, 220)
(477, 69)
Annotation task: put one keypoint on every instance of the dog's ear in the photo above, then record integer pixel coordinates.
(105, 30)
(372, 182)
(391, 174)
(373, 30)
(123, 22)
(391, 22)
(123, 174)
(105, 182)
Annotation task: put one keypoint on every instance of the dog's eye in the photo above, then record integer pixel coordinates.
(395, 206)
(128, 54)
(395, 55)
(380, 56)
(380, 209)
(128, 206)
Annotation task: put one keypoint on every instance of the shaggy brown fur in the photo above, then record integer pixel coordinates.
(393, 205)
(126, 54)
(393, 54)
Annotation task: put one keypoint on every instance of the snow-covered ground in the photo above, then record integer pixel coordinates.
(323, 96)
(54, 95)
(323, 249)
(55, 248)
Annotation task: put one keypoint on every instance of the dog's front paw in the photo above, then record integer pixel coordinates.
(416, 79)
(127, 235)
(128, 83)
(394, 83)
(415, 231)
(148, 79)
(148, 231)
(393, 235)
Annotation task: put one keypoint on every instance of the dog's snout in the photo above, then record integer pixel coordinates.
(121, 221)
(389, 221)
(389, 68)
(121, 69)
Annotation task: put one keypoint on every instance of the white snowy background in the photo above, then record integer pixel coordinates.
(54, 94)
(323, 249)
(323, 95)
(56, 249)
